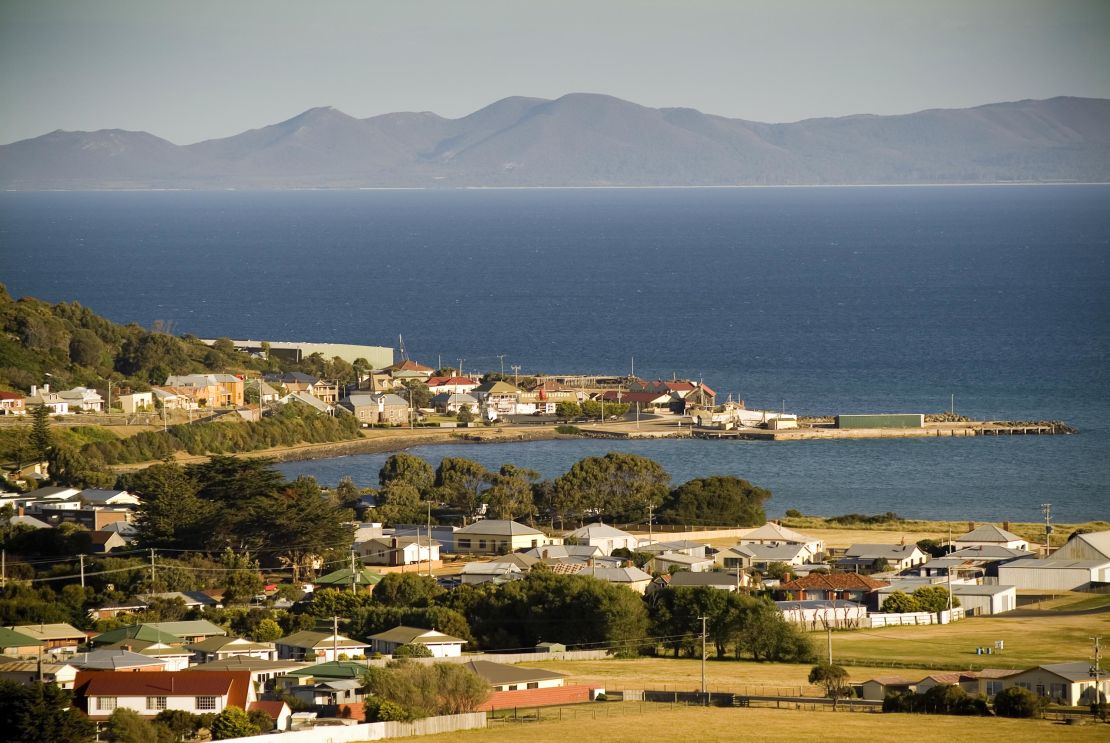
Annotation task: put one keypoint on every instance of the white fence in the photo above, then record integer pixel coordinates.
(914, 618)
(375, 730)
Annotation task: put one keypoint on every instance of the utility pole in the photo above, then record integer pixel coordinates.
(430, 539)
(651, 510)
(829, 628)
(461, 367)
(502, 357)
(3, 568)
(516, 374)
(1046, 509)
(703, 696)
(82, 559)
(152, 589)
(354, 574)
(335, 638)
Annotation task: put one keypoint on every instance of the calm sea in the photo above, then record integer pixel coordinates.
(825, 300)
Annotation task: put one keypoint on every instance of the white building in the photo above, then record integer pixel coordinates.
(151, 692)
(440, 645)
(989, 535)
(136, 402)
(774, 535)
(604, 537)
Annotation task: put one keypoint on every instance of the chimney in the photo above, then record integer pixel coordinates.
(34, 390)
(45, 389)
(1006, 525)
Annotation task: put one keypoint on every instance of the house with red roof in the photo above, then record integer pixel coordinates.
(99, 693)
(12, 403)
(452, 385)
(278, 710)
(832, 586)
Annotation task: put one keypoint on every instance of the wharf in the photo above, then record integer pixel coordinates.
(930, 430)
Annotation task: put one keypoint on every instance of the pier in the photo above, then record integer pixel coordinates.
(930, 430)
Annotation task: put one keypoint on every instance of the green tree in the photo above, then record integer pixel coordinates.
(261, 720)
(417, 393)
(405, 467)
(180, 723)
(233, 722)
(933, 598)
(242, 577)
(407, 589)
(619, 485)
(267, 631)
(717, 500)
(41, 713)
(900, 603)
(41, 438)
(568, 410)
(86, 348)
(510, 494)
(833, 677)
(413, 650)
(465, 414)
(126, 726)
(399, 503)
(1015, 701)
(461, 483)
(424, 690)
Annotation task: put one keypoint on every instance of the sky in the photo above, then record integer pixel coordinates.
(189, 70)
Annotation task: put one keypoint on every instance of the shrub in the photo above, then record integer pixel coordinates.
(1017, 702)
(568, 430)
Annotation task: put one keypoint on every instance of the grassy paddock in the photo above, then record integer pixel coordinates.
(837, 535)
(632, 722)
(684, 674)
(1028, 641)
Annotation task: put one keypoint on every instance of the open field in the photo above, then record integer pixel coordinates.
(889, 532)
(632, 722)
(1028, 641)
(684, 674)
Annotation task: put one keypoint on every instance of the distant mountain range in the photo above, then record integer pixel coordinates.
(587, 140)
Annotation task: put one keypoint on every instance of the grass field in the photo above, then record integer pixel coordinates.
(1028, 641)
(632, 722)
(684, 674)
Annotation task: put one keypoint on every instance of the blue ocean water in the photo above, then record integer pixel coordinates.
(826, 300)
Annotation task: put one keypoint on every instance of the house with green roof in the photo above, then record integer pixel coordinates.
(221, 648)
(345, 578)
(440, 645)
(320, 647)
(170, 633)
(17, 644)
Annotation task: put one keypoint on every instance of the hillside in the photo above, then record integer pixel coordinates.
(588, 140)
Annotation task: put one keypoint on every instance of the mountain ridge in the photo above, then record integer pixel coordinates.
(587, 139)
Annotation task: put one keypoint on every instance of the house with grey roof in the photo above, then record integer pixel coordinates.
(991, 535)
(725, 581)
(1072, 684)
(758, 556)
(604, 537)
(775, 535)
(679, 546)
(83, 398)
(474, 573)
(503, 677)
(672, 561)
(115, 659)
(377, 407)
(628, 576)
(439, 644)
(307, 400)
(871, 557)
(95, 497)
(500, 537)
(451, 403)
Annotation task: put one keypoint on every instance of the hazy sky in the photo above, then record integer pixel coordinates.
(194, 69)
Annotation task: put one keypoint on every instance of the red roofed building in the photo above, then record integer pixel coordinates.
(452, 385)
(278, 710)
(12, 403)
(831, 586)
(99, 693)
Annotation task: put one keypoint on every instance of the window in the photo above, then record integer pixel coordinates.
(155, 702)
(993, 687)
(464, 544)
(512, 687)
(206, 703)
(533, 685)
(104, 704)
(481, 544)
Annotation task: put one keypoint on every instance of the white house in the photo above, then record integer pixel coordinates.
(28, 672)
(823, 613)
(500, 537)
(605, 537)
(95, 497)
(774, 535)
(222, 648)
(451, 385)
(100, 694)
(440, 645)
(320, 647)
(474, 573)
(1064, 683)
(759, 556)
(990, 535)
(502, 677)
(52, 401)
(677, 561)
(136, 402)
(83, 398)
(897, 556)
(397, 550)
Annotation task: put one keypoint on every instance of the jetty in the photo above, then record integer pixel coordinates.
(929, 430)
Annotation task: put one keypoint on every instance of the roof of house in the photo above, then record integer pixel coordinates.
(673, 546)
(988, 552)
(415, 635)
(774, 532)
(336, 669)
(274, 709)
(681, 558)
(817, 604)
(687, 578)
(564, 551)
(1076, 671)
(969, 589)
(498, 567)
(767, 552)
(890, 681)
(599, 531)
(172, 633)
(254, 665)
(615, 575)
(867, 551)
(989, 533)
(56, 631)
(343, 577)
(498, 528)
(233, 684)
(228, 644)
(30, 521)
(112, 659)
(409, 365)
(5, 395)
(32, 666)
(834, 582)
(498, 388)
(500, 674)
(312, 640)
(101, 538)
(1099, 541)
(309, 400)
(454, 381)
(9, 638)
(1055, 563)
(454, 398)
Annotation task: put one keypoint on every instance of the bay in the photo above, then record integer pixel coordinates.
(825, 300)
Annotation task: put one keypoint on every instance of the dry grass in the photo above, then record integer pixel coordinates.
(890, 532)
(633, 722)
(684, 674)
